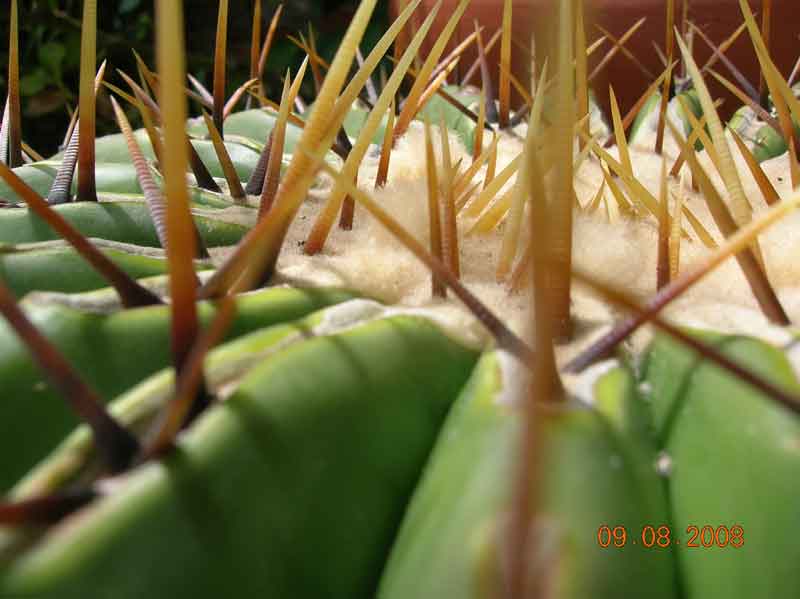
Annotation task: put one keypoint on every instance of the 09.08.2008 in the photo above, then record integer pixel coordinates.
(662, 537)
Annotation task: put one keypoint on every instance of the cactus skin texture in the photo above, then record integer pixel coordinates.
(58, 267)
(601, 472)
(307, 465)
(451, 536)
(113, 351)
(735, 462)
(123, 221)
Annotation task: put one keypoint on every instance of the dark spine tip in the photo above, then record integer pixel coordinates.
(44, 510)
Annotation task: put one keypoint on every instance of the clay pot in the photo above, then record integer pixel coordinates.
(717, 18)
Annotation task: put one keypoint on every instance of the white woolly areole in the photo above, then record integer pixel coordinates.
(515, 379)
(369, 260)
(620, 251)
(581, 387)
(355, 312)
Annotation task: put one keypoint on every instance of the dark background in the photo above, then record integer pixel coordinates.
(50, 50)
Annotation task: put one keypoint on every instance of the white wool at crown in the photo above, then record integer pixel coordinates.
(368, 259)
(625, 252)
(622, 252)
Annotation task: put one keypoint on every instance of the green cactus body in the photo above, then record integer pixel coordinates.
(243, 158)
(56, 266)
(648, 115)
(246, 133)
(307, 464)
(449, 545)
(734, 462)
(39, 176)
(768, 143)
(123, 221)
(113, 149)
(111, 178)
(646, 112)
(254, 125)
(438, 108)
(112, 352)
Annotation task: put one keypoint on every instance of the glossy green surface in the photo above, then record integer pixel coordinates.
(24, 269)
(647, 118)
(112, 353)
(735, 461)
(453, 532)
(438, 108)
(252, 124)
(292, 487)
(124, 221)
(39, 176)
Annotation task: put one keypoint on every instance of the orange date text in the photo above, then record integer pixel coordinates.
(663, 536)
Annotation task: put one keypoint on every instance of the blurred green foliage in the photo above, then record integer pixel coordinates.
(50, 50)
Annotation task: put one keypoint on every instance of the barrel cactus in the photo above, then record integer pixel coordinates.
(210, 388)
